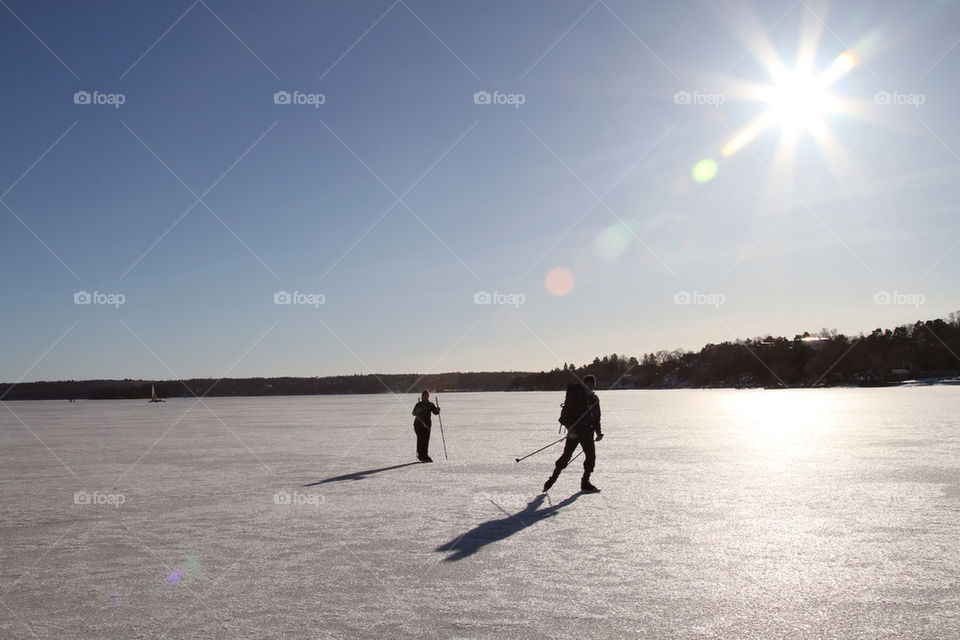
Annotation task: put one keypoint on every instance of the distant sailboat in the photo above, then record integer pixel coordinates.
(153, 395)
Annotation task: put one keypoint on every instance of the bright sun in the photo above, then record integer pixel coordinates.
(797, 101)
(801, 98)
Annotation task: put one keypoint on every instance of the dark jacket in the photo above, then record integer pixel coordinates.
(592, 418)
(589, 423)
(422, 413)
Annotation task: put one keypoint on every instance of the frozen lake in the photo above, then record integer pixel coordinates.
(724, 514)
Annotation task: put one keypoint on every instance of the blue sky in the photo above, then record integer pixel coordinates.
(399, 198)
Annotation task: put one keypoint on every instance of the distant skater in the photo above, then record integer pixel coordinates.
(585, 423)
(423, 414)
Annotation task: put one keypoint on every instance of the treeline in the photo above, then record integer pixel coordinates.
(287, 386)
(923, 350)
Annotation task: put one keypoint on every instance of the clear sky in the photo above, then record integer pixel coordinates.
(607, 174)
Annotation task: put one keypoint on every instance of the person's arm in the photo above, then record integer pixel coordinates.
(415, 407)
(435, 409)
(597, 426)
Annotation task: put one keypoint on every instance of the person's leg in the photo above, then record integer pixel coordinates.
(589, 457)
(422, 435)
(569, 446)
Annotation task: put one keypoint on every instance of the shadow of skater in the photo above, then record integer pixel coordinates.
(359, 475)
(494, 530)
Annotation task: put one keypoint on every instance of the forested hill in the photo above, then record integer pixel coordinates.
(929, 349)
(924, 350)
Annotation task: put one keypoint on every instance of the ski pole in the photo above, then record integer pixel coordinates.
(542, 448)
(442, 439)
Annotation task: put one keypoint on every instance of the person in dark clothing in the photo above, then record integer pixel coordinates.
(581, 433)
(423, 413)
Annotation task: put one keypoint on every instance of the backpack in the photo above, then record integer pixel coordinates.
(574, 405)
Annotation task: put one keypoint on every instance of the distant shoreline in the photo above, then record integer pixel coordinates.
(37, 391)
(924, 353)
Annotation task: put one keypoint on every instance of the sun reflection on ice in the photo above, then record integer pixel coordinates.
(783, 425)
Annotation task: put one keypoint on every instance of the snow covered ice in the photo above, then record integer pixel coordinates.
(724, 514)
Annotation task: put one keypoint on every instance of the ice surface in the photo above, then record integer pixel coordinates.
(724, 514)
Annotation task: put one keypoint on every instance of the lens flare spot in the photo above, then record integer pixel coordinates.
(705, 170)
(560, 281)
(174, 577)
(613, 241)
(845, 61)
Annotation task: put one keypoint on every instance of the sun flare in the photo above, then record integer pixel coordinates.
(797, 100)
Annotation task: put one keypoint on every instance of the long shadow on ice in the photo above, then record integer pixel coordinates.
(360, 475)
(483, 534)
